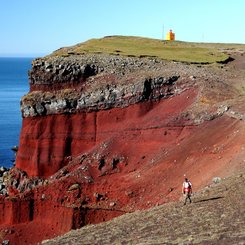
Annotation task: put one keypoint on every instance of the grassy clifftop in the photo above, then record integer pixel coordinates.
(146, 47)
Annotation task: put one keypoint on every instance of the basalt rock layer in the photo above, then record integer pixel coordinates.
(80, 91)
(105, 135)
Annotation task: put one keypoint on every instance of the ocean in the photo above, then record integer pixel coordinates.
(13, 85)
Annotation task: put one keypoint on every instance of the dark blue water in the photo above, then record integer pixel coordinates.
(13, 85)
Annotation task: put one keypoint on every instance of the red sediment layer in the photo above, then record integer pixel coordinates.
(56, 86)
(154, 150)
(46, 141)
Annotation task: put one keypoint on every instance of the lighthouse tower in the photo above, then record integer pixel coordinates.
(170, 36)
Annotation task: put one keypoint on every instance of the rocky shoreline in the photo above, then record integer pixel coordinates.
(4, 177)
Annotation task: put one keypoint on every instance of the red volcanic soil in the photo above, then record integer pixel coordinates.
(117, 161)
(48, 140)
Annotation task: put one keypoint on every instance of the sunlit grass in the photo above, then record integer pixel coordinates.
(146, 47)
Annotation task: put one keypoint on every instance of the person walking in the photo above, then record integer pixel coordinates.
(187, 190)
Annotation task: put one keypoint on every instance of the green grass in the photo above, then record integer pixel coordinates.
(146, 47)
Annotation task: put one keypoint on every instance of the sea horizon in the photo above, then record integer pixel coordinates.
(13, 85)
(32, 56)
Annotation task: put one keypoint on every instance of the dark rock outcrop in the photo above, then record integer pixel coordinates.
(104, 97)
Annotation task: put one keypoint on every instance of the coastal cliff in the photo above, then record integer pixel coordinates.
(64, 115)
(106, 134)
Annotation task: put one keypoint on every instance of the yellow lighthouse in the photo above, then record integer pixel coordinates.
(170, 36)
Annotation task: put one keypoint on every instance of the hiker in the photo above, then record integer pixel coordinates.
(187, 190)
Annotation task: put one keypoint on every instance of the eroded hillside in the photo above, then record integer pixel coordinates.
(216, 216)
(106, 134)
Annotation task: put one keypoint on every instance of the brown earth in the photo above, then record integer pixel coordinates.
(215, 216)
(111, 162)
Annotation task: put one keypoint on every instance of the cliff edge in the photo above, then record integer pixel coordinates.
(112, 125)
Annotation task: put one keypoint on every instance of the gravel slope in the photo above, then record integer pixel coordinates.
(217, 216)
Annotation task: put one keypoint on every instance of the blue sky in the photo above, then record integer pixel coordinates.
(36, 28)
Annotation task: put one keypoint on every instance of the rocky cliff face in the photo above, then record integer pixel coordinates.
(72, 85)
(63, 113)
(104, 135)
